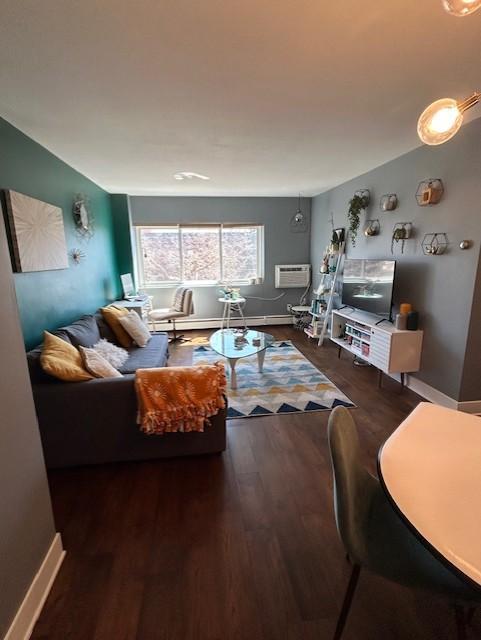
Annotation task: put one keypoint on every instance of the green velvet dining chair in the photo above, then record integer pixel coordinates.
(376, 538)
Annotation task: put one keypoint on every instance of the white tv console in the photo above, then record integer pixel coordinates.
(377, 342)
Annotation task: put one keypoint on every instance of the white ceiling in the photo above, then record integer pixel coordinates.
(268, 98)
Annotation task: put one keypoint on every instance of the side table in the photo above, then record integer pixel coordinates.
(231, 304)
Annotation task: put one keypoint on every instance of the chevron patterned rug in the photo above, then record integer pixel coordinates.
(288, 384)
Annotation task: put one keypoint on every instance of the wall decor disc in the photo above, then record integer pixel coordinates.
(77, 255)
(83, 218)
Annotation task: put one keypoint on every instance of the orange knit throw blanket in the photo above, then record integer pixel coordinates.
(174, 399)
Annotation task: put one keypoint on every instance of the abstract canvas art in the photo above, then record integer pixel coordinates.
(37, 234)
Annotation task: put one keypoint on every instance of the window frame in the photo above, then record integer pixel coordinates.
(161, 284)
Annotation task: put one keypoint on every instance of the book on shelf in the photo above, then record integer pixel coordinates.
(318, 306)
(313, 328)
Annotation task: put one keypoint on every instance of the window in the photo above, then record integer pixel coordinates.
(203, 254)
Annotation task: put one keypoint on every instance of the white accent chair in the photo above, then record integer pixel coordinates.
(182, 307)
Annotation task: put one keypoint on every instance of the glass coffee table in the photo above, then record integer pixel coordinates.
(234, 345)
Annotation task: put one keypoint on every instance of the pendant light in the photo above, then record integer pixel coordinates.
(298, 221)
(442, 119)
(461, 8)
(299, 217)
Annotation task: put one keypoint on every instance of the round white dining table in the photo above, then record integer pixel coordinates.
(430, 468)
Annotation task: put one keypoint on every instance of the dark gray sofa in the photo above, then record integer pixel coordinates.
(94, 422)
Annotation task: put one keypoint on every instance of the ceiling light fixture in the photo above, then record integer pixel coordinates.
(189, 175)
(441, 120)
(461, 8)
(298, 221)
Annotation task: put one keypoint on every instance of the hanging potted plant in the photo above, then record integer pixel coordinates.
(357, 204)
(400, 233)
(334, 246)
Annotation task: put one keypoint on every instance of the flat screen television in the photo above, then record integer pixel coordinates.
(368, 285)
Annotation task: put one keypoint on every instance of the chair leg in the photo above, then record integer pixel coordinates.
(346, 605)
(175, 337)
(460, 621)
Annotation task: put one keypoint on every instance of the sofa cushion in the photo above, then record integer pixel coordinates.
(104, 329)
(154, 354)
(83, 332)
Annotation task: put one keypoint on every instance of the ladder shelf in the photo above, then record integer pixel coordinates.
(331, 292)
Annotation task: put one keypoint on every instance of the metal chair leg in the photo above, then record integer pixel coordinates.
(460, 621)
(346, 605)
(175, 337)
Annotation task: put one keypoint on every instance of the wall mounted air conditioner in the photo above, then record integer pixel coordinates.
(292, 276)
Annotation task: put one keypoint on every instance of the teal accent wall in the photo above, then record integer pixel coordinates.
(124, 244)
(50, 299)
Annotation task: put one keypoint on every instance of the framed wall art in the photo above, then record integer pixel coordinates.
(36, 232)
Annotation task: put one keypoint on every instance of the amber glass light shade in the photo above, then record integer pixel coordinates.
(461, 8)
(440, 121)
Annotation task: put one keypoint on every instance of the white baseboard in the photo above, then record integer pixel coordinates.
(438, 397)
(430, 393)
(215, 323)
(31, 607)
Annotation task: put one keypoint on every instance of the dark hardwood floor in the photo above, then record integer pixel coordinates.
(237, 546)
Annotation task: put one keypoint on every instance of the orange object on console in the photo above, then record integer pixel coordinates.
(405, 308)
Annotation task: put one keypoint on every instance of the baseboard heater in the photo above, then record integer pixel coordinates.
(214, 323)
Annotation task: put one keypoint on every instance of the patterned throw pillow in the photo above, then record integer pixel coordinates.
(111, 352)
(136, 329)
(97, 365)
(178, 302)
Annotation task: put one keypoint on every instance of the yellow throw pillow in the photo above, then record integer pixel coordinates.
(111, 316)
(62, 360)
